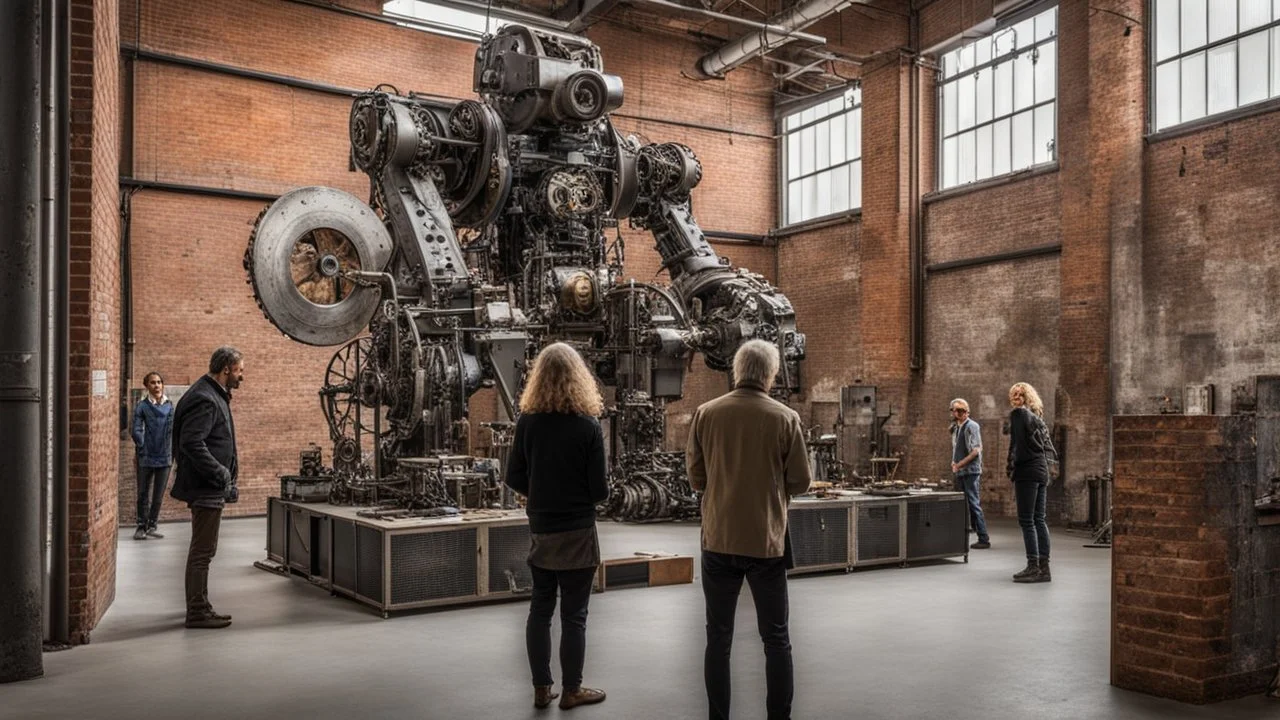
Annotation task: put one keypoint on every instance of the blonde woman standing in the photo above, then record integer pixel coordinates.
(1028, 468)
(557, 462)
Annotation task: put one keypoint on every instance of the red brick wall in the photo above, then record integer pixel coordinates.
(201, 128)
(1192, 571)
(95, 313)
(821, 271)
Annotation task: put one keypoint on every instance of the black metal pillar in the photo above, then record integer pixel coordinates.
(21, 364)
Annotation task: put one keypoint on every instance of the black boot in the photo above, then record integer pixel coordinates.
(1030, 573)
(1044, 570)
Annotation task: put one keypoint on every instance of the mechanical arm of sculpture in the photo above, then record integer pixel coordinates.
(483, 239)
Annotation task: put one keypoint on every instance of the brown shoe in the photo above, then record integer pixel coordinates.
(581, 696)
(542, 696)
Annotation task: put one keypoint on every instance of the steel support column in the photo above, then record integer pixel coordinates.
(21, 600)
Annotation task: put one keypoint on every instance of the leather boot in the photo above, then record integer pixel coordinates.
(1030, 572)
(542, 696)
(1044, 571)
(580, 696)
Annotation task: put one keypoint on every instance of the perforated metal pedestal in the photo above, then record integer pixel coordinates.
(855, 530)
(406, 563)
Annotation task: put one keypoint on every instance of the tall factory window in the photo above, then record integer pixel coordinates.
(444, 19)
(822, 158)
(997, 102)
(1212, 56)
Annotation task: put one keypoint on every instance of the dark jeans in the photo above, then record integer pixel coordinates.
(1030, 496)
(721, 584)
(971, 486)
(575, 590)
(204, 545)
(151, 482)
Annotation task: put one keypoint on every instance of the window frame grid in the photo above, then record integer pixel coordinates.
(989, 66)
(1271, 28)
(854, 108)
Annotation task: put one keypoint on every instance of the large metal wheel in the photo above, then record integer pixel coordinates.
(300, 249)
(344, 396)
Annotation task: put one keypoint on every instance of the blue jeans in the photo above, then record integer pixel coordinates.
(971, 486)
(1030, 496)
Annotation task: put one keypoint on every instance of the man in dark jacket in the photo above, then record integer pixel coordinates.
(204, 446)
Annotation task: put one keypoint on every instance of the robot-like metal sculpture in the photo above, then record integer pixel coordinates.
(486, 237)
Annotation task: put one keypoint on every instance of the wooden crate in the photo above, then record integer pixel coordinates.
(644, 571)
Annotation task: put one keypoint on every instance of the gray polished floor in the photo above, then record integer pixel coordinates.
(946, 640)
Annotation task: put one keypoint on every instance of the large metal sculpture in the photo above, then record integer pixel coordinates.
(486, 236)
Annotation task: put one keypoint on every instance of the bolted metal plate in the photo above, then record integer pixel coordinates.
(296, 256)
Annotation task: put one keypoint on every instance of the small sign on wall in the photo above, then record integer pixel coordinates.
(1198, 400)
(99, 383)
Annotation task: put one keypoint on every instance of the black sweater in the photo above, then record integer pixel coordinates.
(557, 461)
(1026, 457)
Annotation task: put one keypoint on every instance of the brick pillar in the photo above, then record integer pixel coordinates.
(94, 312)
(1194, 586)
(1100, 127)
(886, 273)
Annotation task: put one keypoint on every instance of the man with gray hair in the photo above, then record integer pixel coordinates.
(204, 447)
(966, 467)
(746, 454)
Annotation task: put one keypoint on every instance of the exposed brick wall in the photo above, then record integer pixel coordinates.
(885, 263)
(1195, 590)
(95, 313)
(822, 273)
(989, 326)
(946, 19)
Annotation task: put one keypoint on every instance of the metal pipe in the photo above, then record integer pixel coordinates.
(59, 570)
(787, 26)
(915, 232)
(21, 283)
(994, 258)
(141, 54)
(780, 29)
(468, 5)
(128, 182)
(53, 436)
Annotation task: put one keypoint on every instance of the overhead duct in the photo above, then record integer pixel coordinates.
(788, 25)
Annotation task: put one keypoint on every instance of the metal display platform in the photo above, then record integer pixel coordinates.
(404, 563)
(854, 530)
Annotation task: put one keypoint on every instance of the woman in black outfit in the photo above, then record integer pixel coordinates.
(557, 461)
(1029, 469)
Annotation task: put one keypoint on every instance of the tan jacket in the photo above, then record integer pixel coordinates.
(746, 454)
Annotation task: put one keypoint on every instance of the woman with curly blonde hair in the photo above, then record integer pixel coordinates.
(557, 462)
(1028, 468)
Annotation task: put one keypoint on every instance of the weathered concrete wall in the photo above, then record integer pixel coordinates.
(1201, 295)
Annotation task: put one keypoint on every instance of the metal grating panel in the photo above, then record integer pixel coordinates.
(878, 527)
(344, 555)
(369, 563)
(508, 559)
(277, 527)
(936, 527)
(300, 539)
(819, 536)
(433, 565)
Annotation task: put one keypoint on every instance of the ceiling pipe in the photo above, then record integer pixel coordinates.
(775, 29)
(715, 64)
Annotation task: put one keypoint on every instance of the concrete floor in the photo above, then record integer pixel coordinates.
(942, 640)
